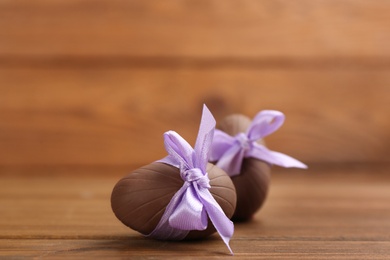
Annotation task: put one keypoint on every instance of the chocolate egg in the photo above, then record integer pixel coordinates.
(139, 199)
(253, 181)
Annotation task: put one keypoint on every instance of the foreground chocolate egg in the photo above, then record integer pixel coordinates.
(139, 199)
(253, 181)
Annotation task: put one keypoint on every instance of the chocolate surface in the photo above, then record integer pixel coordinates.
(139, 199)
(253, 182)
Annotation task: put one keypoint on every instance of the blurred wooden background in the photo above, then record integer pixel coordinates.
(98, 82)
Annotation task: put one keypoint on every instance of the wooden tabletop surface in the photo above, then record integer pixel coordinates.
(338, 212)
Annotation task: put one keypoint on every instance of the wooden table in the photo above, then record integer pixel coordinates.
(337, 212)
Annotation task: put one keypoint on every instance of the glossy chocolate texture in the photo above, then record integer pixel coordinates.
(140, 198)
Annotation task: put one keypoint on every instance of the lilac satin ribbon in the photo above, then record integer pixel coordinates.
(230, 151)
(193, 203)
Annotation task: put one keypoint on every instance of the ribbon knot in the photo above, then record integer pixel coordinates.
(192, 205)
(196, 175)
(230, 151)
(244, 141)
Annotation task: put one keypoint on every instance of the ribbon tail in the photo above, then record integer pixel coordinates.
(221, 222)
(288, 161)
(231, 160)
(204, 139)
(262, 153)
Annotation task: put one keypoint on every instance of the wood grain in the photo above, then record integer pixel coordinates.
(279, 30)
(139, 249)
(91, 82)
(327, 213)
(100, 116)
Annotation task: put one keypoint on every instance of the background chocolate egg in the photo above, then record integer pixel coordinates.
(139, 199)
(253, 182)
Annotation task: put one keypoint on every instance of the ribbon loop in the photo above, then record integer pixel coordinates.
(265, 123)
(190, 213)
(231, 151)
(180, 152)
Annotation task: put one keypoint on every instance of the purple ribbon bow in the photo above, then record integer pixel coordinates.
(230, 151)
(190, 206)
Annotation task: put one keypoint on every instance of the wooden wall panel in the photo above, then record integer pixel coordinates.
(266, 29)
(102, 116)
(98, 82)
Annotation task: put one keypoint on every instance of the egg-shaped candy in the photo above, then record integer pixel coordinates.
(253, 181)
(139, 199)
